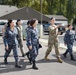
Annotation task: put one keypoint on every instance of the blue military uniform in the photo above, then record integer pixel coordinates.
(32, 40)
(69, 39)
(10, 40)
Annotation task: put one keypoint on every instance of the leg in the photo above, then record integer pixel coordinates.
(57, 51)
(48, 51)
(15, 53)
(33, 54)
(65, 53)
(70, 46)
(7, 52)
(21, 49)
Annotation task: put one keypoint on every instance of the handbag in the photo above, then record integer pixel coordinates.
(40, 46)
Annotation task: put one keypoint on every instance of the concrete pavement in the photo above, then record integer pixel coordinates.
(51, 67)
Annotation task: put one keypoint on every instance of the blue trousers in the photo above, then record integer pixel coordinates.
(15, 53)
(69, 49)
(34, 52)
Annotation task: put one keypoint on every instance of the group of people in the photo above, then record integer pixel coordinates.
(13, 39)
(69, 39)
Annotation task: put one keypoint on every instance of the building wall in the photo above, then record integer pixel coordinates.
(63, 22)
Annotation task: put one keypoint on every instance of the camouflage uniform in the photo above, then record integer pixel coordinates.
(32, 40)
(10, 40)
(20, 39)
(69, 39)
(52, 40)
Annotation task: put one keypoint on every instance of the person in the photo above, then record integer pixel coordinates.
(53, 40)
(28, 53)
(69, 40)
(20, 39)
(33, 42)
(11, 42)
(5, 26)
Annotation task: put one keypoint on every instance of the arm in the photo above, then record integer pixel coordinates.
(65, 38)
(75, 37)
(5, 40)
(29, 38)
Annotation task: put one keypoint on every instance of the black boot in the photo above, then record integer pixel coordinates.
(64, 55)
(72, 57)
(34, 65)
(27, 54)
(5, 61)
(17, 65)
(30, 60)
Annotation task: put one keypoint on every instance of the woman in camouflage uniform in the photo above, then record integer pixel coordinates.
(53, 40)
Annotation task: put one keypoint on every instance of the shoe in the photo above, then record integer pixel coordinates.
(72, 58)
(18, 66)
(60, 60)
(34, 66)
(23, 55)
(64, 55)
(46, 59)
(5, 61)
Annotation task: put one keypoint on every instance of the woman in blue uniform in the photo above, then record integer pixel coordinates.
(69, 39)
(11, 42)
(33, 42)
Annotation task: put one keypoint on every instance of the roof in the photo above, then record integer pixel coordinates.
(25, 13)
(6, 9)
(58, 17)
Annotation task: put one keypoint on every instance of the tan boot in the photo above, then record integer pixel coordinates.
(60, 60)
(46, 59)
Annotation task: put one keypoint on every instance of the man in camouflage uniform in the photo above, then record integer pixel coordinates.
(53, 40)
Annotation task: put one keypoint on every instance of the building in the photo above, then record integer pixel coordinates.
(59, 19)
(25, 13)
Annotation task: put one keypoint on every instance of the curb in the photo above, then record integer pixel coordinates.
(60, 44)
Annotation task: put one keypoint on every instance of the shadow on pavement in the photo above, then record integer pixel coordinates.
(11, 68)
(47, 61)
(67, 60)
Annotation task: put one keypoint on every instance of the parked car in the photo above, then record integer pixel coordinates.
(61, 29)
(2, 26)
(45, 27)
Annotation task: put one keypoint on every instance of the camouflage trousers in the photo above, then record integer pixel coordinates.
(55, 44)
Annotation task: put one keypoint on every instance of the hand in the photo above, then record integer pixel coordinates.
(58, 26)
(6, 48)
(30, 47)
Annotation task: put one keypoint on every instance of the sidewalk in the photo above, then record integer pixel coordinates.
(61, 45)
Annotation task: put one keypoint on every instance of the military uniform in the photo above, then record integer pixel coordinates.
(10, 40)
(53, 40)
(69, 39)
(20, 39)
(32, 40)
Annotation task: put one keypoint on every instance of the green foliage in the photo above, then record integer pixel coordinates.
(59, 7)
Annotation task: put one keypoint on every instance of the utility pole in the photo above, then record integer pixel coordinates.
(41, 26)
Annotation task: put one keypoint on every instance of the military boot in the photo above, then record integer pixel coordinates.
(46, 57)
(17, 65)
(59, 60)
(72, 57)
(5, 61)
(34, 66)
